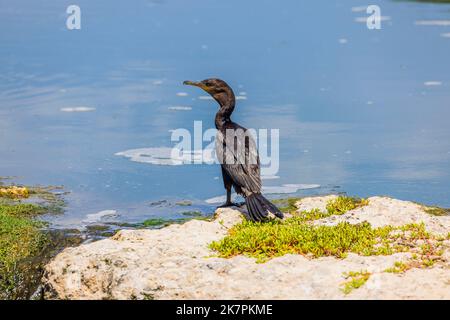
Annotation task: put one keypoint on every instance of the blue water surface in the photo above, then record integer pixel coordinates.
(359, 111)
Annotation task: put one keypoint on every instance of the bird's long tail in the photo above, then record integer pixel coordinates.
(259, 207)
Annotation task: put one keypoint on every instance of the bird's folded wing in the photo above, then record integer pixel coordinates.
(239, 158)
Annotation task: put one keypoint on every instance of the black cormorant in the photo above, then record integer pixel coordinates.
(237, 153)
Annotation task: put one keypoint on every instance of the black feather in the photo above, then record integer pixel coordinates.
(259, 207)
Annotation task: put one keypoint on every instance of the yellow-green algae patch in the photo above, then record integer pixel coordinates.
(14, 192)
(22, 238)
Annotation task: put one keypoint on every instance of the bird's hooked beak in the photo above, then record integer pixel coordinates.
(196, 84)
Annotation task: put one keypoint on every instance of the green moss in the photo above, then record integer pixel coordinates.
(20, 239)
(54, 203)
(286, 205)
(155, 222)
(21, 209)
(399, 267)
(337, 206)
(97, 228)
(23, 241)
(294, 235)
(342, 204)
(436, 211)
(99, 231)
(311, 215)
(161, 222)
(357, 280)
(147, 296)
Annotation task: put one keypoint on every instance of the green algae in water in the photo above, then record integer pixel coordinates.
(21, 209)
(99, 231)
(161, 222)
(154, 222)
(24, 244)
(21, 238)
(184, 203)
(192, 213)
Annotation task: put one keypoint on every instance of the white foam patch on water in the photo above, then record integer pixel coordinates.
(180, 108)
(432, 83)
(96, 217)
(343, 41)
(283, 189)
(359, 9)
(241, 98)
(271, 177)
(205, 98)
(441, 23)
(77, 109)
(364, 19)
(220, 199)
(182, 94)
(168, 156)
(445, 35)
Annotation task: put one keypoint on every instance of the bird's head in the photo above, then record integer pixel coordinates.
(217, 88)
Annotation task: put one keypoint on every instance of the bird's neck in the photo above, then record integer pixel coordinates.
(227, 102)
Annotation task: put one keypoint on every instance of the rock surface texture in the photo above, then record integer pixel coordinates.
(175, 263)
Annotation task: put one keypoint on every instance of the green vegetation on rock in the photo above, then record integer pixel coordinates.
(342, 204)
(424, 256)
(357, 280)
(286, 205)
(297, 235)
(337, 206)
(436, 211)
